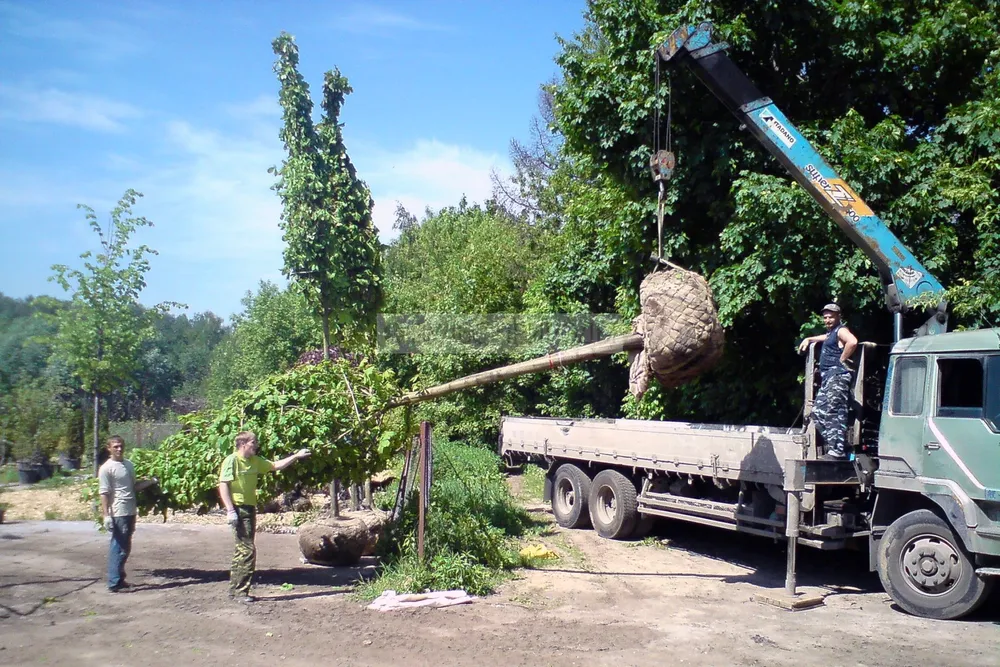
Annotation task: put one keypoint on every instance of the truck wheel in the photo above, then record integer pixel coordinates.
(926, 570)
(570, 491)
(612, 505)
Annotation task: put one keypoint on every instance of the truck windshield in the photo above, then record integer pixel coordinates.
(993, 392)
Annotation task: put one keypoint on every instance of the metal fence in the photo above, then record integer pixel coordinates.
(143, 435)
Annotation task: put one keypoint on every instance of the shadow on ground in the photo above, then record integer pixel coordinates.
(305, 575)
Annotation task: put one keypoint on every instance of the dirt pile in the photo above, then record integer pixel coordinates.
(679, 325)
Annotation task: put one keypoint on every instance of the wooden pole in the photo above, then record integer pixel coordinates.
(425, 441)
(603, 348)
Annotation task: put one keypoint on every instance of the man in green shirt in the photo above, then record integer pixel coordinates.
(238, 491)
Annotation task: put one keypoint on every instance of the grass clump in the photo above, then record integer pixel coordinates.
(471, 529)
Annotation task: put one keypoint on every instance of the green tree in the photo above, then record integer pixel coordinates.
(24, 336)
(900, 97)
(273, 329)
(454, 287)
(332, 251)
(102, 330)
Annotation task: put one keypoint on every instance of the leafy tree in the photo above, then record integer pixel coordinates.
(267, 337)
(24, 350)
(101, 331)
(454, 286)
(332, 251)
(900, 97)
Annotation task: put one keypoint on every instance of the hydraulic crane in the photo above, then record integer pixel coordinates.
(905, 280)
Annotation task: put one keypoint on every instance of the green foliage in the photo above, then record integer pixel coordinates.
(267, 337)
(469, 531)
(462, 273)
(35, 419)
(24, 336)
(332, 252)
(901, 98)
(101, 331)
(336, 409)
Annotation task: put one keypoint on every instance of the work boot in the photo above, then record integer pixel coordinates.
(834, 455)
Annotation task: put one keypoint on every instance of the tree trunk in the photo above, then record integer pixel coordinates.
(602, 348)
(97, 433)
(326, 335)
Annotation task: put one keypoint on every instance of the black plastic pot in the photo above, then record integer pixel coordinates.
(29, 473)
(67, 462)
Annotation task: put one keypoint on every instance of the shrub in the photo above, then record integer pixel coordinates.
(470, 529)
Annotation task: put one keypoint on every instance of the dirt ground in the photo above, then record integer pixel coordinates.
(683, 598)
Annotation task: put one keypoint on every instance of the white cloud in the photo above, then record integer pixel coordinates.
(367, 18)
(51, 105)
(431, 174)
(216, 196)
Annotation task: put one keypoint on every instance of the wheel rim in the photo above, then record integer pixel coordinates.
(607, 505)
(565, 496)
(930, 564)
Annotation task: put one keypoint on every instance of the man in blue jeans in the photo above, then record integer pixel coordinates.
(117, 487)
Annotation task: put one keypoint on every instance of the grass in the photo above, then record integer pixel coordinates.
(8, 474)
(59, 479)
(470, 539)
(532, 483)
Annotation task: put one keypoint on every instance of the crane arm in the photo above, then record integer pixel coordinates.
(903, 277)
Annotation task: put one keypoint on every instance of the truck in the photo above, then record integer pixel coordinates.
(921, 491)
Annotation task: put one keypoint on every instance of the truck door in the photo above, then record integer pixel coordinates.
(902, 436)
(962, 438)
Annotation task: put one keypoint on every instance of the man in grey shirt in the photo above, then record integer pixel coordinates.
(118, 488)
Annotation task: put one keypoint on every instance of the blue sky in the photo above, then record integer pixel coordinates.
(179, 101)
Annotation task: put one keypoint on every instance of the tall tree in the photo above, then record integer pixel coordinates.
(102, 330)
(332, 252)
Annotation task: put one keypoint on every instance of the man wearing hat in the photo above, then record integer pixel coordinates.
(830, 409)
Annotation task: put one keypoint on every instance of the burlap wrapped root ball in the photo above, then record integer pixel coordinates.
(341, 540)
(680, 329)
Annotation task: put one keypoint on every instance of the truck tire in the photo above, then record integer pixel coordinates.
(926, 570)
(570, 492)
(612, 505)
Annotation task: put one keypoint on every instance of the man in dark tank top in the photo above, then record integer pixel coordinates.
(830, 409)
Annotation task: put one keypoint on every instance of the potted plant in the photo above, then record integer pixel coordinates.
(36, 419)
(70, 447)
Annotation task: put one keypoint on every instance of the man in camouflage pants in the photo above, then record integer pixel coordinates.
(238, 492)
(830, 409)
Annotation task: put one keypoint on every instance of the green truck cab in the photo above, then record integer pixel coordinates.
(935, 524)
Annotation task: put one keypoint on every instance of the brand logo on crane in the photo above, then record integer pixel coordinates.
(772, 123)
(839, 194)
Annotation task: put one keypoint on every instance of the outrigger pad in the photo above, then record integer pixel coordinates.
(804, 600)
(680, 328)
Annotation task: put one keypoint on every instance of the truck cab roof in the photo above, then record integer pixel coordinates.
(979, 340)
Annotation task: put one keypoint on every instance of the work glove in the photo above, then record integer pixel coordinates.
(232, 518)
(109, 523)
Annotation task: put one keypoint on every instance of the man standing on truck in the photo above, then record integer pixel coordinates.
(830, 409)
(238, 492)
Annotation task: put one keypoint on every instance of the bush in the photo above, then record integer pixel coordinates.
(471, 525)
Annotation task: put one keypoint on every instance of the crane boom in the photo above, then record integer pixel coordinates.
(904, 278)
